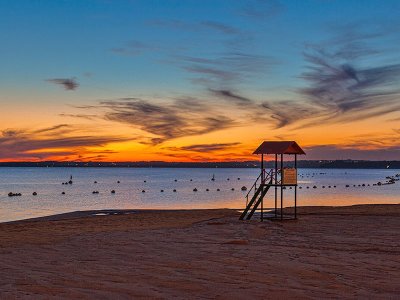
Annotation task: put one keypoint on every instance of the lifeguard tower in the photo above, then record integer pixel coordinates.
(276, 178)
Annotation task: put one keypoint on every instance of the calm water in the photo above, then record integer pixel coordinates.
(78, 196)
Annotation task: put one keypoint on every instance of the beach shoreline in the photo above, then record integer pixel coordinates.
(328, 252)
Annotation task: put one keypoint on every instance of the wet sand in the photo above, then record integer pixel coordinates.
(346, 252)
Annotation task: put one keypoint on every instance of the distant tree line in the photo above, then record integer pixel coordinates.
(329, 164)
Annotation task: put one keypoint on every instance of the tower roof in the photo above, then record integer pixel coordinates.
(279, 147)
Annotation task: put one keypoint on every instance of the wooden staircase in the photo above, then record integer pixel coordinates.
(259, 194)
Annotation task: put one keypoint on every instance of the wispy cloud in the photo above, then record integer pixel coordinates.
(221, 27)
(80, 116)
(135, 48)
(225, 69)
(205, 148)
(261, 9)
(344, 90)
(206, 25)
(236, 61)
(283, 113)
(61, 128)
(56, 141)
(343, 83)
(67, 83)
(167, 120)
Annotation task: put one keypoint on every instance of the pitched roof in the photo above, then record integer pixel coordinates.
(279, 147)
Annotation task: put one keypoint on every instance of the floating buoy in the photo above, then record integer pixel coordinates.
(323, 186)
(95, 192)
(232, 189)
(175, 180)
(63, 193)
(218, 190)
(290, 188)
(238, 178)
(347, 185)
(191, 179)
(143, 191)
(34, 194)
(162, 191)
(363, 184)
(314, 187)
(118, 181)
(334, 186)
(195, 190)
(329, 186)
(308, 187)
(174, 191)
(144, 181)
(95, 182)
(70, 182)
(62, 183)
(207, 190)
(227, 179)
(244, 188)
(113, 192)
(10, 194)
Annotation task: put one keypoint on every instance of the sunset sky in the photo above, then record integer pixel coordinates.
(199, 80)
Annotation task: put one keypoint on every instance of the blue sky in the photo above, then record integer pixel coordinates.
(168, 50)
(46, 38)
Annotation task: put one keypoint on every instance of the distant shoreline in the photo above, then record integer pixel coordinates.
(303, 164)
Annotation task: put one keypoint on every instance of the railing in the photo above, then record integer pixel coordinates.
(264, 176)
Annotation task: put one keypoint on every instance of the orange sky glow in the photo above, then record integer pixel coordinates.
(141, 81)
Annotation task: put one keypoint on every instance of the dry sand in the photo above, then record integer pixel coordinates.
(341, 252)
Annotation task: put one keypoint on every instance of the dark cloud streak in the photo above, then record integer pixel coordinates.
(69, 84)
(206, 148)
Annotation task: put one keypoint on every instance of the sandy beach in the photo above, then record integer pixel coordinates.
(329, 252)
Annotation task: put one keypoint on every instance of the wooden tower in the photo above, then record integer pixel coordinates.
(277, 178)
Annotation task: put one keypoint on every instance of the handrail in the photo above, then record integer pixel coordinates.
(254, 185)
(265, 176)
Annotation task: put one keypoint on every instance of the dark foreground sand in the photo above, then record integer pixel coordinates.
(346, 252)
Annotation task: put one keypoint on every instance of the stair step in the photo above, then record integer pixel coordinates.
(255, 201)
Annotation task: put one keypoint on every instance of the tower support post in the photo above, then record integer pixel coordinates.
(295, 188)
(276, 182)
(281, 186)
